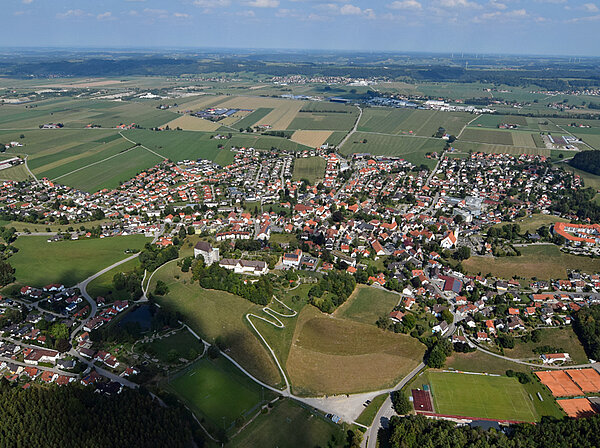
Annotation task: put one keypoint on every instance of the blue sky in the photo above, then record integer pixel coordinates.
(565, 27)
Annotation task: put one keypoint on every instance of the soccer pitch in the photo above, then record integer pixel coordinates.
(481, 396)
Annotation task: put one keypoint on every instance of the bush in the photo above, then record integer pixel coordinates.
(400, 403)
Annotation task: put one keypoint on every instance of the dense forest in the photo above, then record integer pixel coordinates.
(420, 432)
(587, 161)
(587, 326)
(75, 416)
(339, 285)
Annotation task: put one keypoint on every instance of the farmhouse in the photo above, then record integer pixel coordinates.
(208, 253)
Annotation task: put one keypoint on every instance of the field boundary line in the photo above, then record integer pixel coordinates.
(142, 146)
(95, 163)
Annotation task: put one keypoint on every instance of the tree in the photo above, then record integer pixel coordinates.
(462, 253)
(7, 273)
(447, 316)
(161, 288)
(400, 402)
(506, 340)
(59, 331)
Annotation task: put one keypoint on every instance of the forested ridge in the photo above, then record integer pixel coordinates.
(75, 416)
(587, 326)
(421, 432)
(587, 161)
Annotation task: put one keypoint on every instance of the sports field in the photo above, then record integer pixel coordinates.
(543, 261)
(39, 263)
(216, 390)
(310, 168)
(330, 355)
(412, 149)
(367, 304)
(493, 397)
(290, 425)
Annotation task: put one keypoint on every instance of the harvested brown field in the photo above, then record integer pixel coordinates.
(284, 111)
(330, 355)
(577, 407)
(191, 123)
(314, 139)
(200, 102)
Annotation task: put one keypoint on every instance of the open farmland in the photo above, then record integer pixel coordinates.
(17, 173)
(412, 149)
(283, 113)
(494, 397)
(191, 123)
(39, 263)
(367, 304)
(543, 261)
(103, 285)
(314, 139)
(499, 149)
(217, 314)
(421, 122)
(487, 136)
(324, 120)
(254, 118)
(310, 168)
(331, 355)
(196, 103)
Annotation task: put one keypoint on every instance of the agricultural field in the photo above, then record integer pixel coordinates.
(495, 397)
(488, 136)
(196, 103)
(367, 304)
(182, 343)
(544, 262)
(289, 425)
(283, 113)
(412, 149)
(191, 123)
(217, 314)
(330, 355)
(310, 168)
(39, 263)
(17, 173)
(324, 120)
(217, 391)
(499, 149)
(314, 139)
(335, 138)
(254, 118)
(424, 123)
(562, 338)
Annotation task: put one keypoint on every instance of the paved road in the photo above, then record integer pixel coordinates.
(386, 411)
(353, 130)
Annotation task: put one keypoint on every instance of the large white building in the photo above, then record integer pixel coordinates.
(208, 253)
(251, 267)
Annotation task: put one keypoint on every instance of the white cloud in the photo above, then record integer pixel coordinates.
(105, 16)
(594, 18)
(498, 5)
(350, 10)
(157, 13)
(181, 15)
(72, 13)
(27, 2)
(264, 3)
(212, 3)
(590, 7)
(459, 4)
(405, 4)
(502, 16)
(346, 10)
(247, 13)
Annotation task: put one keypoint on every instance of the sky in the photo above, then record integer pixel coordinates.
(546, 27)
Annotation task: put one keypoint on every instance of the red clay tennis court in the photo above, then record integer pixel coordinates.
(577, 407)
(587, 379)
(559, 383)
(422, 400)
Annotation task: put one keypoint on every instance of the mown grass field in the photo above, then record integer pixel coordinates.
(480, 396)
(421, 122)
(253, 118)
(367, 304)
(412, 149)
(542, 261)
(496, 137)
(17, 173)
(182, 342)
(103, 285)
(562, 338)
(39, 263)
(330, 355)
(289, 425)
(499, 149)
(310, 168)
(217, 314)
(534, 222)
(216, 390)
